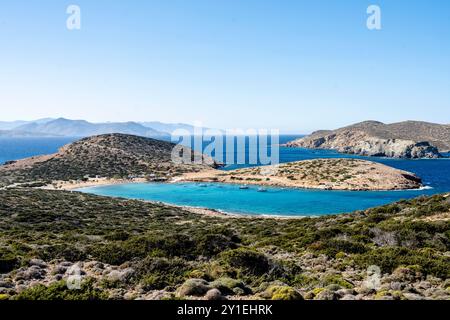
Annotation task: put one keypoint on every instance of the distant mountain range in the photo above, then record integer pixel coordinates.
(80, 128)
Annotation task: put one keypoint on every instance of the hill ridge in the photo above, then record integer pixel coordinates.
(109, 155)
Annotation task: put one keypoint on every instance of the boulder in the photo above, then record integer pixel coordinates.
(194, 287)
(229, 286)
(326, 295)
(214, 294)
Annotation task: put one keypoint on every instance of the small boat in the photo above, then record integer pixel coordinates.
(262, 190)
(244, 187)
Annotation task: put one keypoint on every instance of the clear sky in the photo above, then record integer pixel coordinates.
(293, 65)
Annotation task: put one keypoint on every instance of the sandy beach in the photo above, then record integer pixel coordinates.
(94, 182)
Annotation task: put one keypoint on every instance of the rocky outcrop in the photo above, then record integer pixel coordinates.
(357, 142)
(367, 139)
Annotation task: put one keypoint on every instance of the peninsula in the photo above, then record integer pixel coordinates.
(327, 174)
(409, 139)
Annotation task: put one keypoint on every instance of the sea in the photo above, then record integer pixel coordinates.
(435, 174)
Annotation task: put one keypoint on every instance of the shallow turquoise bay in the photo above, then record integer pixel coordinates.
(288, 202)
(276, 201)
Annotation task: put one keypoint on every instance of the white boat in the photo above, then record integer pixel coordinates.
(244, 187)
(262, 189)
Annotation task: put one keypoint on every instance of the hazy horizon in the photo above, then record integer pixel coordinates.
(285, 132)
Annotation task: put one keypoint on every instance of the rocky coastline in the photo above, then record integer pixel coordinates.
(410, 140)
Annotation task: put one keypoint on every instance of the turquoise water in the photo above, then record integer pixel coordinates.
(435, 175)
(276, 201)
(288, 202)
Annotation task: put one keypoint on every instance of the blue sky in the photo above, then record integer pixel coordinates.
(293, 65)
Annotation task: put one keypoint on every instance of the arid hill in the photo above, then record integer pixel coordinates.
(409, 139)
(111, 155)
(329, 174)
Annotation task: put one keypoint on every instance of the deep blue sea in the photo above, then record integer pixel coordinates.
(19, 148)
(276, 201)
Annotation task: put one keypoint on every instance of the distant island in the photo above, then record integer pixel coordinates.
(61, 127)
(409, 139)
(327, 174)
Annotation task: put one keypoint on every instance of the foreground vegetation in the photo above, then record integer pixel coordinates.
(125, 249)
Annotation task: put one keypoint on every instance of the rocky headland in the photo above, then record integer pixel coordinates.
(410, 139)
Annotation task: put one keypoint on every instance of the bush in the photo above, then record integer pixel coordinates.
(115, 254)
(4, 297)
(117, 236)
(332, 247)
(304, 281)
(282, 293)
(387, 209)
(8, 261)
(194, 287)
(66, 252)
(336, 279)
(228, 286)
(248, 261)
(59, 291)
(158, 273)
(390, 258)
(212, 244)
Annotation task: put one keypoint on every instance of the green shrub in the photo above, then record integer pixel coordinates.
(67, 252)
(117, 236)
(59, 291)
(157, 273)
(332, 247)
(389, 258)
(8, 261)
(212, 244)
(304, 281)
(282, 293)
(247, 260)
(228, 286)
(4, 297)
(115, 254)
(336, 279)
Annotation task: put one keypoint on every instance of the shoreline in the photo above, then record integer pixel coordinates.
(99, 182)
(73, 187)
(95, 182)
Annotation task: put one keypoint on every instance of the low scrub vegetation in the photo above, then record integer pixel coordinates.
(163, 246)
